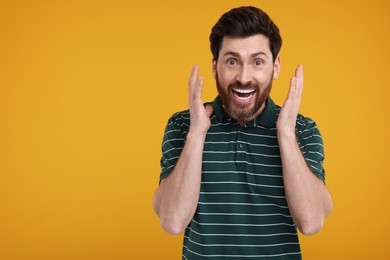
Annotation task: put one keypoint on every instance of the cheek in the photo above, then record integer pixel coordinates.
(264, 78)
(226, 78)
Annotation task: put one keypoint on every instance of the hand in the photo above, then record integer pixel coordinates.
(199, 115)
(288, 115)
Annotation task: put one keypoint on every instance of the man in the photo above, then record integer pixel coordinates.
(241, 174)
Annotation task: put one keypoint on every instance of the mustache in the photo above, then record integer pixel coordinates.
(238, 84)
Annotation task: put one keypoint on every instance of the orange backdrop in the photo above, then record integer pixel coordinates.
(86, 88)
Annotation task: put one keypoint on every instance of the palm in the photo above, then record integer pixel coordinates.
(288, 114)
(199, 115)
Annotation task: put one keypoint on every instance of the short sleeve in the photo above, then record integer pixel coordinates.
(172, 144)
(311, 144)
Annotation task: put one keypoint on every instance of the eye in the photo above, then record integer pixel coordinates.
(258, 62)
(231, 62)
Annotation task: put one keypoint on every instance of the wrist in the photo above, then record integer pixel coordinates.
(286, 132)
(195, 134)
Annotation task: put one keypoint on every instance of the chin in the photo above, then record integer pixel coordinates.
(240, 113)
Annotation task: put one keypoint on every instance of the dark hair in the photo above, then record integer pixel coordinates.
(245, 21)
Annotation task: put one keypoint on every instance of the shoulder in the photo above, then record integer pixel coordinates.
(305, 123)
(182, 118)
(179, 117)
(302, 121)
(179, 120)
(307, 131)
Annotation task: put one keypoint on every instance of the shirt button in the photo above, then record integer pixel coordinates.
(241, 146)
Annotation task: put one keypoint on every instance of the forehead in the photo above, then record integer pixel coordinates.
(245, 46)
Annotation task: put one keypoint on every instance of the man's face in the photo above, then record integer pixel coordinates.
(244, 74)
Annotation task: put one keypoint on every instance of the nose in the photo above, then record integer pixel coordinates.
(244, 75)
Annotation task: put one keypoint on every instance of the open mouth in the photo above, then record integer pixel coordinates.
(243, 94)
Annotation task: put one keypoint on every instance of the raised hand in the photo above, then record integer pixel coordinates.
(288, 115)
(308, 199)
(199, 115)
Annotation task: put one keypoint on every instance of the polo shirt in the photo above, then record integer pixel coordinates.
(242, 211)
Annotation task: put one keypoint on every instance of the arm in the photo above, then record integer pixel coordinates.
(176, 199)
(308, 198)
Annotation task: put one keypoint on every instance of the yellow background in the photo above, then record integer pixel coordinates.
(86, 88)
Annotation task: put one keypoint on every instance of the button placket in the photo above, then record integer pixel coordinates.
(240, 145)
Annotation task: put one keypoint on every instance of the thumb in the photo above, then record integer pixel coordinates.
(209, 110)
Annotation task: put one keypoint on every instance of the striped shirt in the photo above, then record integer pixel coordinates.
(242, 211)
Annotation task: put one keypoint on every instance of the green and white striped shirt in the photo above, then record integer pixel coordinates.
(242, 211)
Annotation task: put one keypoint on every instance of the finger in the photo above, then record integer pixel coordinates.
(198, 88)
(194, 74)
(293, 85)
(193, 79)
(299, 76)
(192, 83)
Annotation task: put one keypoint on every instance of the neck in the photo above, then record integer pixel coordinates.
(258, 112)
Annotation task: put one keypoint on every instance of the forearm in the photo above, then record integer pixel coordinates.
(308, 199)
(176, 199)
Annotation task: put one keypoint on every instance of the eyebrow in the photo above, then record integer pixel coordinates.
(236, 54)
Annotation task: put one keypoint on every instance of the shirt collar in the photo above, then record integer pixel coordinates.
(266, 118)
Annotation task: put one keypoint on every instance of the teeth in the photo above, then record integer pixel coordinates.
(243, 98)
(244, 91)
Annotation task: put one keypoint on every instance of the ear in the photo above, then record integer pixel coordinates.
(214, 68)
(276, 67)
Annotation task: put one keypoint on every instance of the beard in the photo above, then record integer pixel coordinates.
(242, 112)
